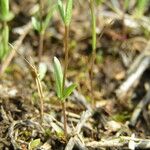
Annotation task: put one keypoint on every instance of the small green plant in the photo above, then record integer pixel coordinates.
(62, 92)
(5, 16)
(93, 47)
(66, 14)
(40, 25)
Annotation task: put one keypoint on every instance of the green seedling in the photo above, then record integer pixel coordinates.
(93, 24)
(5, 16)
(62, 92)
(66, 14)
(40, 24)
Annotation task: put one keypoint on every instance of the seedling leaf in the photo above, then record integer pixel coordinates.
(58, 75)
(61, 10)
(42, 70)
(68, 12)
(68, 91)
(48, 17)
(36, 24)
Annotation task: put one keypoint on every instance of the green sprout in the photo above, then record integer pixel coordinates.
(66, 14)
(93, 26)
(5, 16)
(62, 92)
(40, 25)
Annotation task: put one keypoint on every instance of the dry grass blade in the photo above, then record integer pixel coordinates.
(35, 75)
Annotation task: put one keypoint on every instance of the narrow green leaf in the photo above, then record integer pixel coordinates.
(36, 24)
(48, 17)
(5, 15)
(4, 7)
(68, 91)
(58, 75)
(68, 13)
(61, 10)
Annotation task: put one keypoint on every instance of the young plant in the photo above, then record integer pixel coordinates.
(66, 14)
(40, 25)
(62, 92)
(5, 16)
(93, 47)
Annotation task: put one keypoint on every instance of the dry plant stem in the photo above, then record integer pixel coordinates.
(40, 91)
(75, 138)
(39, 87)
(38, 82)
(120, 142)
(137, 111)
(65, 119)
(93, 49)
(133, 79)
(66, 36)
(41, 36)
(135, 71)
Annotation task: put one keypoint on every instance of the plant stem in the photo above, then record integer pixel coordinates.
(93, 48)
(65, 119)
(41, 36)
(66, 36)
(41, 95)
(41, 39)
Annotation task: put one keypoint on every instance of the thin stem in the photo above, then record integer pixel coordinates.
(41, 39)
(5, 37)
(41, 36)
(93, 48)
(65, 119)
(66, 36)
(41, 95)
